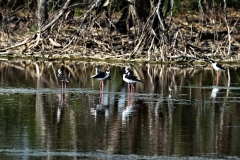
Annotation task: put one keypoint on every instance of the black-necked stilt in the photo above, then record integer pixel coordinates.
(171, 87)
(129, 78)
(62, 77)
(217, 66)
(101, 76)
(127, 70)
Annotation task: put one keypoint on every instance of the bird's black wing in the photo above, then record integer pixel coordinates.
(99, 75)
(220, 66)
(129, 76)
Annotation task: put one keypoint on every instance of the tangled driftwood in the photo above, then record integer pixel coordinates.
(158, 36)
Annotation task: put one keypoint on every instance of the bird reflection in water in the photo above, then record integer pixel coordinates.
(214, 92)
(102, 107)
(130, 109)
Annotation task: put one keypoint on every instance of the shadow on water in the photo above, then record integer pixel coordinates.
(177, 112)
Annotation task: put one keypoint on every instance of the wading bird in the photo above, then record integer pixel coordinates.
(218, 68)
(130, 79)
(171, 87)
(62, 77)
(101, 76)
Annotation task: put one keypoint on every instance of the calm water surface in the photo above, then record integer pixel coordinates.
(40, 120)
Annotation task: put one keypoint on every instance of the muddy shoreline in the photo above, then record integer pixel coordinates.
(107, 58)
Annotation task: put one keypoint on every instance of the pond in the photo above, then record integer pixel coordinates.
(198, 118)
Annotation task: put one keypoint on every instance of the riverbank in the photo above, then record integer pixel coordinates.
(188, 40)
(107, 58)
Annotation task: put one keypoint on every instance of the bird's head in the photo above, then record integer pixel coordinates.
(127, 70)
(97, 71)
(211, 61)
(59, 71)
(107, 72)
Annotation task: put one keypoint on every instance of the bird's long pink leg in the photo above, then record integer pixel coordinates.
(102, 85)
(132, 87)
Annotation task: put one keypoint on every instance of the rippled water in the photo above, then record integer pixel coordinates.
(40, 120)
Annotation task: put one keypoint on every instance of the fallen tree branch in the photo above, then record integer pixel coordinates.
(61, 12)
(84, 19)
(16, 45)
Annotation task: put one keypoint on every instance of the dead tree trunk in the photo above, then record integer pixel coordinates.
(126, 20)
(99, 6)
(159, 22)
(42, 15)
(154, 34)
(42, 12)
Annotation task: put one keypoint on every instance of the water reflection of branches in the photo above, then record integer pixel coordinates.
(161, 127)
(160, 77)
(156, 77)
